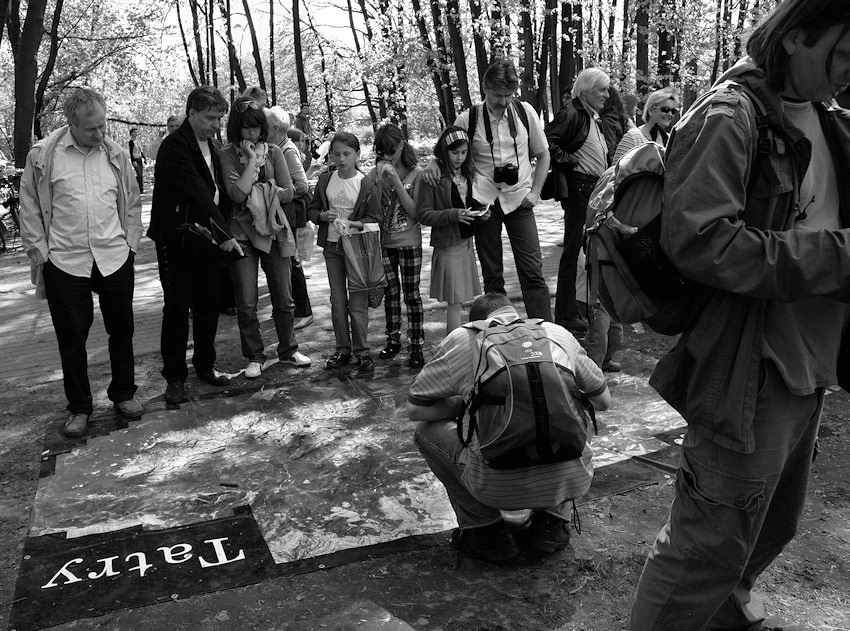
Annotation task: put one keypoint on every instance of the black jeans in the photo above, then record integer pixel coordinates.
(188, 278)
(72, 309)
(575, 211)
(525, 245)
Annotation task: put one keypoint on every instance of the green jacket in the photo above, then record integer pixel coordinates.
(727, 224)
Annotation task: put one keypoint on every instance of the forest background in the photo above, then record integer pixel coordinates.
(357, 62)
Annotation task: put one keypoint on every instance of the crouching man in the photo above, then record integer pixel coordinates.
(476, 491)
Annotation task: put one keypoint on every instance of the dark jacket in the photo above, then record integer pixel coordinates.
(737, 239)
(566, 133)
(367, 208)
(183, 186)
(437, 209)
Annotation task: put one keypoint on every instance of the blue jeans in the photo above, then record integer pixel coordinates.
(72, 310)
(346, 305)
(278, 276)
(525, 244)
(575, 211)
(732, 516)
(443, 451)
(604, 335)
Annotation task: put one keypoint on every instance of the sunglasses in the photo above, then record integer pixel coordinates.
(669, 110)
(386, 152)
(244, 105)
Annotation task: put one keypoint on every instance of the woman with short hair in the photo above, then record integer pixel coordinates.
(662, 106)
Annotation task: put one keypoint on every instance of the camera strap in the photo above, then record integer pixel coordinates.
(488, 132)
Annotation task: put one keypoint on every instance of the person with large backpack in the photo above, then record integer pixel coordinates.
(505, 135)
(757, 209)
(579, 155)
(530, 390)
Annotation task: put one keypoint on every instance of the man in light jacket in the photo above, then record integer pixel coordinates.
(80, 226)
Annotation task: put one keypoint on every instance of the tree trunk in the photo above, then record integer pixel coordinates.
(526, 37)
(382, 104)
(443, 92)
(498, 32)
(255, 44)
(742, 14)
(46, 73)
(727, 22)
(458, 49)
(26, 74)
(554, 83)
(4, 14)
(391, 86)
(718, 38)
(299, 54)
(272, 81)
(477, 39)
(235, 66)
(327, 86)
(566, 69)
(199, 48)
(366, 92)
(212, 60)
(666, 41)
(186, 45)
(442, 54)
(543, 68)
(627, 41)
(642, 47)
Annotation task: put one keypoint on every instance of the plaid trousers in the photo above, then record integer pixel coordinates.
(403, 267)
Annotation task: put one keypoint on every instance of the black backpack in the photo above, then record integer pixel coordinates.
(630, 274)
(525, 405)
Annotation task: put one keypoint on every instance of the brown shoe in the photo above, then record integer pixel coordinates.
(76, 425)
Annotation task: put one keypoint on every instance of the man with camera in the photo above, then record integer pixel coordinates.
(579, 156)
(503, 143)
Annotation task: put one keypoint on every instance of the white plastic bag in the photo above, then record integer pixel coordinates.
(306, 238)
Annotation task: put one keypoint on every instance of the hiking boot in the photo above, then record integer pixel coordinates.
(76, 425)
(493, 543)
(175, 392)
(365, 363)
(611, 367)
(338, 359)
(213, 377)
(546, 533)
(416, 359)
(130, 409)
(390, 350)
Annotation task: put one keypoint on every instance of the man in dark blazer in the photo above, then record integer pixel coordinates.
(188, 188)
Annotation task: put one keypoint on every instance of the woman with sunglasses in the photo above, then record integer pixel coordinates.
(258, 182)
(658, 113)
(401, 241)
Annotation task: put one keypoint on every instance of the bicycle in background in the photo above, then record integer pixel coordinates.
(10, 201)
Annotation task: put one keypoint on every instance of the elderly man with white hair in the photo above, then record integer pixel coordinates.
(579, 155)
(279, 123)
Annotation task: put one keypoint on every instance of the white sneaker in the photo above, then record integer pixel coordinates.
(297, 359)
(254, 370)
(300, 323)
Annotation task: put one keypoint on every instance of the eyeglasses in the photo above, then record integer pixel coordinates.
(670, 110)
(386, 152)
(244, 105)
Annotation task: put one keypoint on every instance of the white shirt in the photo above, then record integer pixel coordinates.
(484, 189)
(84, 228)
(593, 154)
(205, 151)
(342, 198)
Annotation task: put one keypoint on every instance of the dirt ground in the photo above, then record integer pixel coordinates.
(588, 586)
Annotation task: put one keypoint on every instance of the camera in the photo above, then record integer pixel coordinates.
(507, 174)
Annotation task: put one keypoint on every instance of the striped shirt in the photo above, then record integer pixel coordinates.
(450, 373)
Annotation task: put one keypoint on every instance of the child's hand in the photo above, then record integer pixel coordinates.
(464, 217)
(342, 226)
(328, 215)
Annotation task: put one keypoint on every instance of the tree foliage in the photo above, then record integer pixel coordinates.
(358, 62)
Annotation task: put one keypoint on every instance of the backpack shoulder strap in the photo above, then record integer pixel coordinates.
(472, 123)
(521, 113)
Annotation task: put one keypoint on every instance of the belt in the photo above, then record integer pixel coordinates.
(582, 178)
